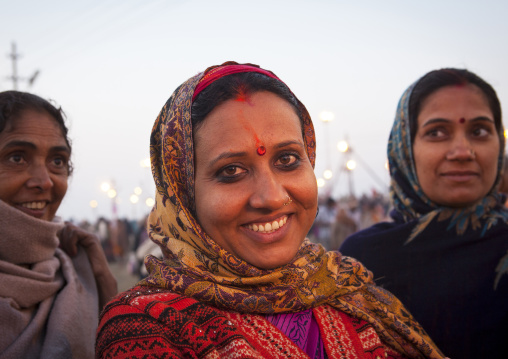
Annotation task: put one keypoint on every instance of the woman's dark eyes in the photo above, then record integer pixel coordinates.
(231, 173)
(60, 162)
(481, 132)
(477, 131)
(288, 160)
(435, 132)
(231, 170)
(17, 158)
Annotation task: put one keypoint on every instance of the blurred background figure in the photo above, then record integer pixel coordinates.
(344, 226)
(325, 220)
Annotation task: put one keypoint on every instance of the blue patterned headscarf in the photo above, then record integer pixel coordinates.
(411, 203)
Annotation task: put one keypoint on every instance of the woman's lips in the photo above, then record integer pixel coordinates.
(266, 231)
(268, 227)
(460, 176)
(33, 208)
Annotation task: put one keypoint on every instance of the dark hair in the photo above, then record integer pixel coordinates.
(232, 86)
(14, 103)
(437, 79)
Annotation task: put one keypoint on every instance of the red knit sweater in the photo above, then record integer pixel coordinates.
(154, 323)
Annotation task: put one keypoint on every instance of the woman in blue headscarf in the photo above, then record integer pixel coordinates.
(445, 253)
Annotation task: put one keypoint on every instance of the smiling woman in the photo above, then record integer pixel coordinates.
(445, 256)
(34, 164)
(240, 195)
(40, 285)
(232, 154)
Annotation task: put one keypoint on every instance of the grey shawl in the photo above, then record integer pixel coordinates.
(48, 301)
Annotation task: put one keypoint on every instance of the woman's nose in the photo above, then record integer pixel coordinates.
(268, 192)
(461, 150)
(39, 177)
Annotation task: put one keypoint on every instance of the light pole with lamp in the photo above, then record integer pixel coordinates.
(109, 189)
(326, 117)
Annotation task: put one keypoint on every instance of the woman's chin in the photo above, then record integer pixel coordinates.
(273, 260)
(460, 200)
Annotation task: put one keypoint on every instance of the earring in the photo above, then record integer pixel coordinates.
(289, 201)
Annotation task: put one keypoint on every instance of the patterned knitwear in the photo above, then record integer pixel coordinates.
(148, 322)
(339, 290)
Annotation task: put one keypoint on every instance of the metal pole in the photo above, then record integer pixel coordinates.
(14, 57)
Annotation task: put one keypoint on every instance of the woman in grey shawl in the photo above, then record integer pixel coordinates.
(49, 298)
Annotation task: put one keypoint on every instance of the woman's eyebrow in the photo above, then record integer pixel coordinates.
(227, 155)
(288, 143)
(436, 120)
(443, 120)
(18, 143)
(60, 149)
(481, 119)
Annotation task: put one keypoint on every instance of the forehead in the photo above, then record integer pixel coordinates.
(30, 125)
(263, 117)
(456, 98)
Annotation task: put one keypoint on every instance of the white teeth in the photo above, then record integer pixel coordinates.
(34, 205)
(268, 227)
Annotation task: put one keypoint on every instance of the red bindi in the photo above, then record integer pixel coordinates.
(261, 150)
(462, 120)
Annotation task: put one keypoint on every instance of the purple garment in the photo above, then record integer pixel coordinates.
(302, 329)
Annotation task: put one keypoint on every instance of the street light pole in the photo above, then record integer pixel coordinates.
(14, 57)
(326, 117)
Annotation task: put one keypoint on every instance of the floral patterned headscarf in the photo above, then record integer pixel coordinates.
(412, 204)
(195, 266)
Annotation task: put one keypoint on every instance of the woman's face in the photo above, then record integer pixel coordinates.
(456, 147)
(239, 193)
(33, 164)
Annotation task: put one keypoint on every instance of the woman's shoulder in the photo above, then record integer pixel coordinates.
(380, 231)
(155, 305)
(146, 320)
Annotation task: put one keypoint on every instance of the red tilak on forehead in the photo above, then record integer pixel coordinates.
(462, 120)
(242, 96)
(260, 148)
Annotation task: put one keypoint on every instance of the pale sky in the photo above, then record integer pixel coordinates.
(112, 64)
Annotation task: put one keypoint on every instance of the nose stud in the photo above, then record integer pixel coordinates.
(473, 153)
(289, 201)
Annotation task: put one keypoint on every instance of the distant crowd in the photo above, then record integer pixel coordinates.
(339, 218)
